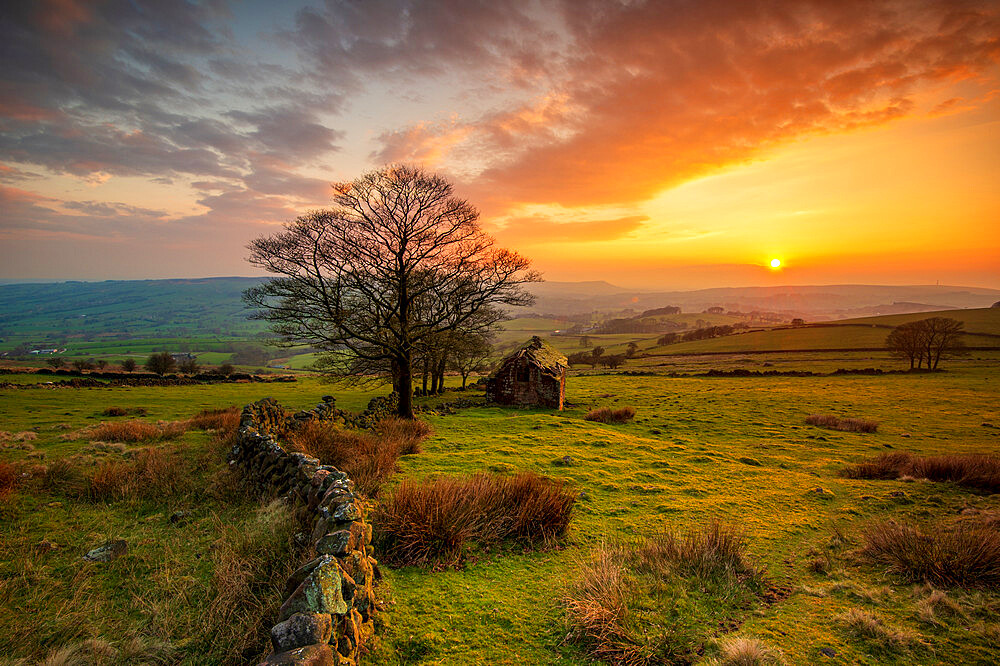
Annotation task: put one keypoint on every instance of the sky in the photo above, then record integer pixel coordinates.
(658, 145)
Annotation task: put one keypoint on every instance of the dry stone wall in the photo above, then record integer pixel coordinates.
(327, 614)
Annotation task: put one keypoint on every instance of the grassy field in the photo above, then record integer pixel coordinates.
(733, 449)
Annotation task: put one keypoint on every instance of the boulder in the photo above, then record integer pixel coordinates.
(109, 551)
(301, 630)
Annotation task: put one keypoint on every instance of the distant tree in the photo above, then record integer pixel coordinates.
(595, 356)
(996, 305)
(942, 338)
(585, 341)
(188, 365)
(55, 362)
(715, 309)
(128, 364)
(580, 358)
(631, 350)
(82, 364)
(904, 342)
(161, 363)
(469, 353)
(101, 364)
(226, 369)
(798, 322)
(612, 360)
(927, 341)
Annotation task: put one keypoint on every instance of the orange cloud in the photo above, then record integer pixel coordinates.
(537, 229)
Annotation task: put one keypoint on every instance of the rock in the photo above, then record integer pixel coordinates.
(828, 652)
(565, 461)
(820, 491)
(311, 655)
(178, 518)
(321, 592)
(899, 497)
(109, 551)
(753, 462)
(347, 513)
(300, 630)
(337, 543)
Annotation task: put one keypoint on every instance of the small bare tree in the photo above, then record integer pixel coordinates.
(397, 261)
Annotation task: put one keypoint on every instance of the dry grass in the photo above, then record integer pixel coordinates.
(936, 605)
(607, 603)
(250, 564)
(9, 477)
(430, 522)
(963, 554)
(846, 424)
(123, 411)
(979, 471)
(871, 627)
(608, 415)
(225, 420)
(98, 652)
(138, 431)
(745, 651)
(154, 473)
(368, 458)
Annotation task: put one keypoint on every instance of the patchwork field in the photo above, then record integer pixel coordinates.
(736, 450)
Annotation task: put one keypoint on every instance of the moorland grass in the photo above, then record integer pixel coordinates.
(677, 463)
(979, 471)
(137, 431)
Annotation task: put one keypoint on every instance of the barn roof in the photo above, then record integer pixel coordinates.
(538, 353)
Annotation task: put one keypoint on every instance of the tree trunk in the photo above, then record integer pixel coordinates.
(424, 374)
(440, 372)
(405, 410)
(465, 376)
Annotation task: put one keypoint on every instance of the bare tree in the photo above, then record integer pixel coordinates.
(927, 341)
(397, 261)
(470, 353)
(128, 365)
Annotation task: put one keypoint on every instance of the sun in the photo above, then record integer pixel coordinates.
(776, 263)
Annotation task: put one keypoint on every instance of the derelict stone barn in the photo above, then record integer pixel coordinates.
(535, 374)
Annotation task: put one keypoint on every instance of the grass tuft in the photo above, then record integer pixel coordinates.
(872, 628)
(430, 522)
(8, 479)
(846, 424)
(962, 554)
(979, 471)
(608, 415)
(123, 411)
(154, 473)
(744, 651)
(225, 420)
(138, 431)
(655, 602)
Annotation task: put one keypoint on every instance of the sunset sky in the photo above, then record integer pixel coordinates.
(650, 144)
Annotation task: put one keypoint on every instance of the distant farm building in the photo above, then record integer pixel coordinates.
(535, 374)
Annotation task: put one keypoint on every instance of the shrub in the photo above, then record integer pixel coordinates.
(962, 554)
(979, 471)
(608, 415)
(429, 522)
(846, 424)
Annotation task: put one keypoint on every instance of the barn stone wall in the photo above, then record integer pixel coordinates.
(327, 614)
(507, 386)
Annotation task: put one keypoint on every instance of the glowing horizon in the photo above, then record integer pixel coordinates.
(856, 143)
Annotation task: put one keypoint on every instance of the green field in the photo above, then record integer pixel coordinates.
(699, 448)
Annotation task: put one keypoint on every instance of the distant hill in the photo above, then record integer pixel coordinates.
(981, 325)
(810, 301)
(124, 309)
(129, 308)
